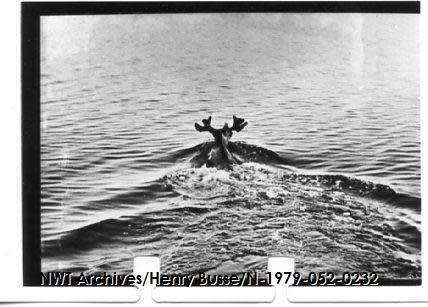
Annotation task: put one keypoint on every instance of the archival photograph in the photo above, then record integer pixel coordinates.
(217, 140)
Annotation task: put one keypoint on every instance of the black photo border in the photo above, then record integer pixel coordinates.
(30, 80)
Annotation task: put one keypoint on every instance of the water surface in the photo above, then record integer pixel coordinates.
(332, 149)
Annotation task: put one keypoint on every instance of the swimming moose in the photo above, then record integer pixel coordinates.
(220, 156)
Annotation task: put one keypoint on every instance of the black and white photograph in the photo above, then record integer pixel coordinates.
(217, 140)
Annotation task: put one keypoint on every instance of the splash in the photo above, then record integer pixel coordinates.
(327, 222)
(201, 219)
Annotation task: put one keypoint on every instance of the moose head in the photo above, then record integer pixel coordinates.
(222, 135)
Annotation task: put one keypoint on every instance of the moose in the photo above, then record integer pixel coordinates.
(220, 156)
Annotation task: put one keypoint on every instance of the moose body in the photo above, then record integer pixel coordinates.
(220, 156)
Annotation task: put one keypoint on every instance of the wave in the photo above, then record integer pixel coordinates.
(245, 152)
(207, 218)
(198, 155)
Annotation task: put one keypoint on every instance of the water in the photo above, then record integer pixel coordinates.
(332, 149)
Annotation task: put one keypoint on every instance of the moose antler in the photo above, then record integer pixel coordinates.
(238, 124)
(206, 125)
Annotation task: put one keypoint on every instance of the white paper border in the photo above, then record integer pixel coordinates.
(10, 219)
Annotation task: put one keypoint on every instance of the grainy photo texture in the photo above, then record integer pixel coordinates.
(215, 141)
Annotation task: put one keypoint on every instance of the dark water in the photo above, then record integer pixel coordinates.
(332, 149)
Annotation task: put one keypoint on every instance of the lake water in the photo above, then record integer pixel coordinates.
(332, 148)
